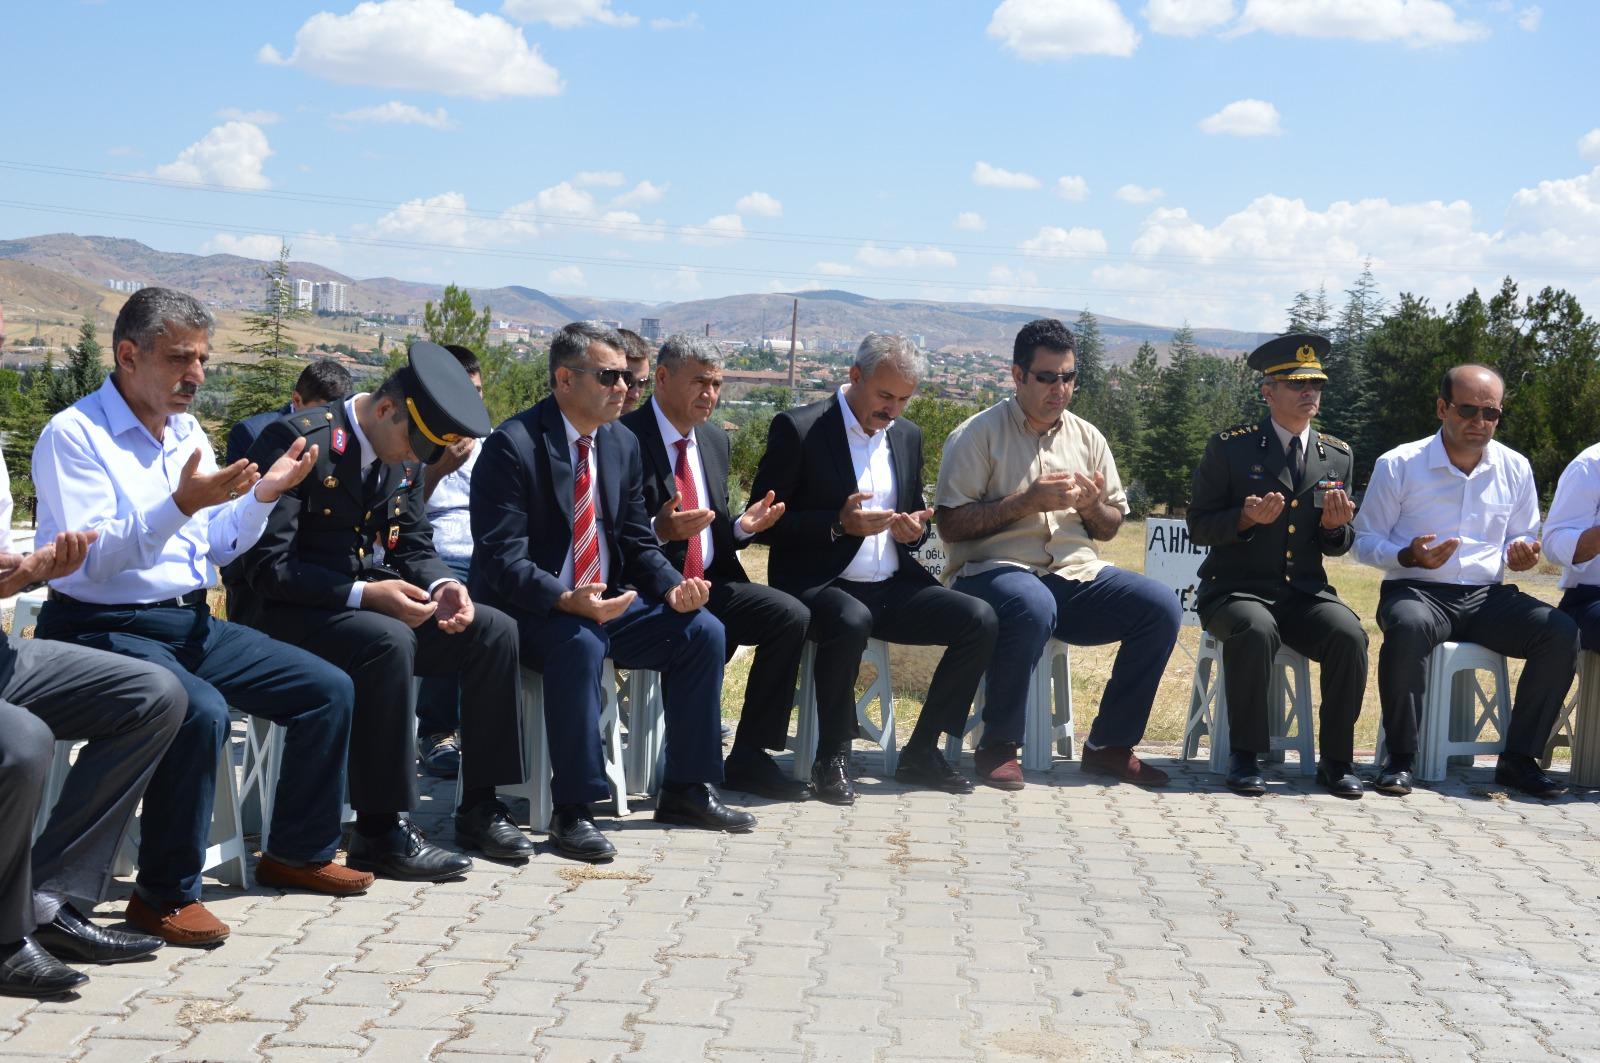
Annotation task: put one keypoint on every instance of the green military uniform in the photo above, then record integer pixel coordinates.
(1266, 586)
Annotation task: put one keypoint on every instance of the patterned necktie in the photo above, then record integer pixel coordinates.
(694, 565)
(1296, 471)
(585, 539)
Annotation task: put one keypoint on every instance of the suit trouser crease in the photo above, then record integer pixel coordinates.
(439, 696)
(775, 624)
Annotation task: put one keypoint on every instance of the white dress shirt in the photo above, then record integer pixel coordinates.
(869, 453)
(5, 507)
(567, 575)
(1574, 510)
(97, 468)
(670, 436)
(1415, 490)
(448, 510)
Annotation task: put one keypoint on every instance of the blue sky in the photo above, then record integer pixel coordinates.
(1154, 159)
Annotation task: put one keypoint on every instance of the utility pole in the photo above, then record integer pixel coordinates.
(794, 326)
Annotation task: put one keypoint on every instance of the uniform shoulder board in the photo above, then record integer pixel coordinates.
(309, 421)
(1337, 444)
(1238, 430)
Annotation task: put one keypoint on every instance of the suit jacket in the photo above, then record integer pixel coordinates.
(242, 436)
(522, 514)
(1267, 559)
(711, 443)
(807, 466)
(320, 537)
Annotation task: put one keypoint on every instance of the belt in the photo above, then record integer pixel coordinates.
(187, 601)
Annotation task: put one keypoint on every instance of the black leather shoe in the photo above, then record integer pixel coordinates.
(927, 767)
(1524, 774)
(830, 778)
(755, 772)
(1394, 781)
(487, 827)
(1339, 779)
(699, 805)
(405, 854)
(30, 971)
(1244, 776)
(70, 936)
(573, 833)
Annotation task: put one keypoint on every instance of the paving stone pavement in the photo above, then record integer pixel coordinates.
(1070, 921)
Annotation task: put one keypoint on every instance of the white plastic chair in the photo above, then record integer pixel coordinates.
(1454, 702)
(1048, 722)
(1288, 701)
(1583, 724)
(880, 691)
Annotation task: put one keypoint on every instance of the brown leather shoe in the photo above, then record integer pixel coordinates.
(997, 767)
(326, 877)
(1122, 763)
(185, 924)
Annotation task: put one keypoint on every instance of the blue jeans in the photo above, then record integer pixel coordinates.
(1115, 606)
(439, 696)
(221, 664)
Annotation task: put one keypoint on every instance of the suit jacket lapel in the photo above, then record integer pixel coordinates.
(715, 468)
(560, 457)
(904, 475)
(654, 447)
(608, 464)
(1276, 461)
(836, 438)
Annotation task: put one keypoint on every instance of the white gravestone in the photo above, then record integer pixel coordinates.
(1173, 559)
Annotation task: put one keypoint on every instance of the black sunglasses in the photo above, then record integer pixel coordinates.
(1467, 411)
(608, 377)
(1049, 379)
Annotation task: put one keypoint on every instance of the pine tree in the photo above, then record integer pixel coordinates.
(82, 374)
(454, 320)
(1089, 394)
(1347, 400)
(266, 381)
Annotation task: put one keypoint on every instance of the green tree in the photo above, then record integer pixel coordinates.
(453, 320)
(1089, 390)
(745, 447)
(266, 379)
(512, 384)
(82, 374)
(937, 418)
(1347, 401)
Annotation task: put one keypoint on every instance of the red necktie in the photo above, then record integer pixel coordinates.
(585, 540)
(694, 565)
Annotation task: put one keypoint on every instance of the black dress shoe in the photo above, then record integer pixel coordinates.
(69, 936)
(699, 805)
(404, 853)
(927, 767)
(830, 778)
(1524, 774)
(755, 772)
(1244, 776)
(573, 833)
(1394, 781)
(487, 827)
(1339, 779)
(30, 971)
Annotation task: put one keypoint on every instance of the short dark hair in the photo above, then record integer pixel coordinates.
(1447, 382)
(322, 382)
(634, 345)
(1046, 332)
(464, 355)
(571, 345)
(393, 388)
(150, 311)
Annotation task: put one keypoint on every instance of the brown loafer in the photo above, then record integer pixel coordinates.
(325, 877)
(1120, 762)
(997, 767)
(184, 924)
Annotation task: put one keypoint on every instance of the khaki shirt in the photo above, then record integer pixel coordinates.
(994, 454)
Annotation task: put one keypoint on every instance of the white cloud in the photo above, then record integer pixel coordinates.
(446, 219)
(1060, 29)
(568, 277)
(1244, 118)
(681, 281)
(567, 14)
(1055, 242)
(689, 21)
(904, 257)
(249, 245)
(422, 45)
(1529, 18)
(837, 269)
(722, 229)
(986, 176)
(641, 193)
(760, 204)
(1187, 18)
(600, 178)
(1007, 285)
(396, 113)
(1589, 144)
(970, 221)
(1137, 194)
(230, 154)
(234, 114)
(1073, 189)
(1413, 22)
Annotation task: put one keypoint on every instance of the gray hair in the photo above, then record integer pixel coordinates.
(901, 354)
(686, 347)
(571, 345)
(151, 311)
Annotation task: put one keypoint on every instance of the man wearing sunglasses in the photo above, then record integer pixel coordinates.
(1271, 501)
(1445, 517)
(1026, 490)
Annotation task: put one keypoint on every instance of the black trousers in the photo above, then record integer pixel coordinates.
(381, 654)
(1415, 616)
(775, 624)
(845, 614)
(1325, 631)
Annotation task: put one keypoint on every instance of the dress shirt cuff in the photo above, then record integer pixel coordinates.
(353, 599)
(165, 520)
(657, 534)
(436, 584)
(1561, 544)
(739, 534)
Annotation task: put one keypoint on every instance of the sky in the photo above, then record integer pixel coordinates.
(1158, 160)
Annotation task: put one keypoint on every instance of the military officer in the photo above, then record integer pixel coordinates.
(383, 619)
(1272, 500)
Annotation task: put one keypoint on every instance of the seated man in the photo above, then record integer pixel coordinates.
(129, 711)
(129, 462)
(848, 470)
(1269, 500)
(1572, 540)
(1479, 495)
(686, 487)
(637, 352)
(322, 382)
(560, 524)
(322, 588)
(1026, 490)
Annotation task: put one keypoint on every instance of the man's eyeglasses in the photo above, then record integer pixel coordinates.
(1467, 411)
(608, 377)
(1049, 379)
(1301, 385)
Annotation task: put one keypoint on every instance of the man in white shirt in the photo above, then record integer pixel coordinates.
(1572, 540)
(1444, 517)
(129, 462)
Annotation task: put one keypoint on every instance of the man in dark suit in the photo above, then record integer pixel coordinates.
(322, 382)
(322, 588)
(686, 487)
(1271, 500)
(848, 470)
(559, 522)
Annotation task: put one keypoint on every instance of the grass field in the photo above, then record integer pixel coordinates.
(1091, 665)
